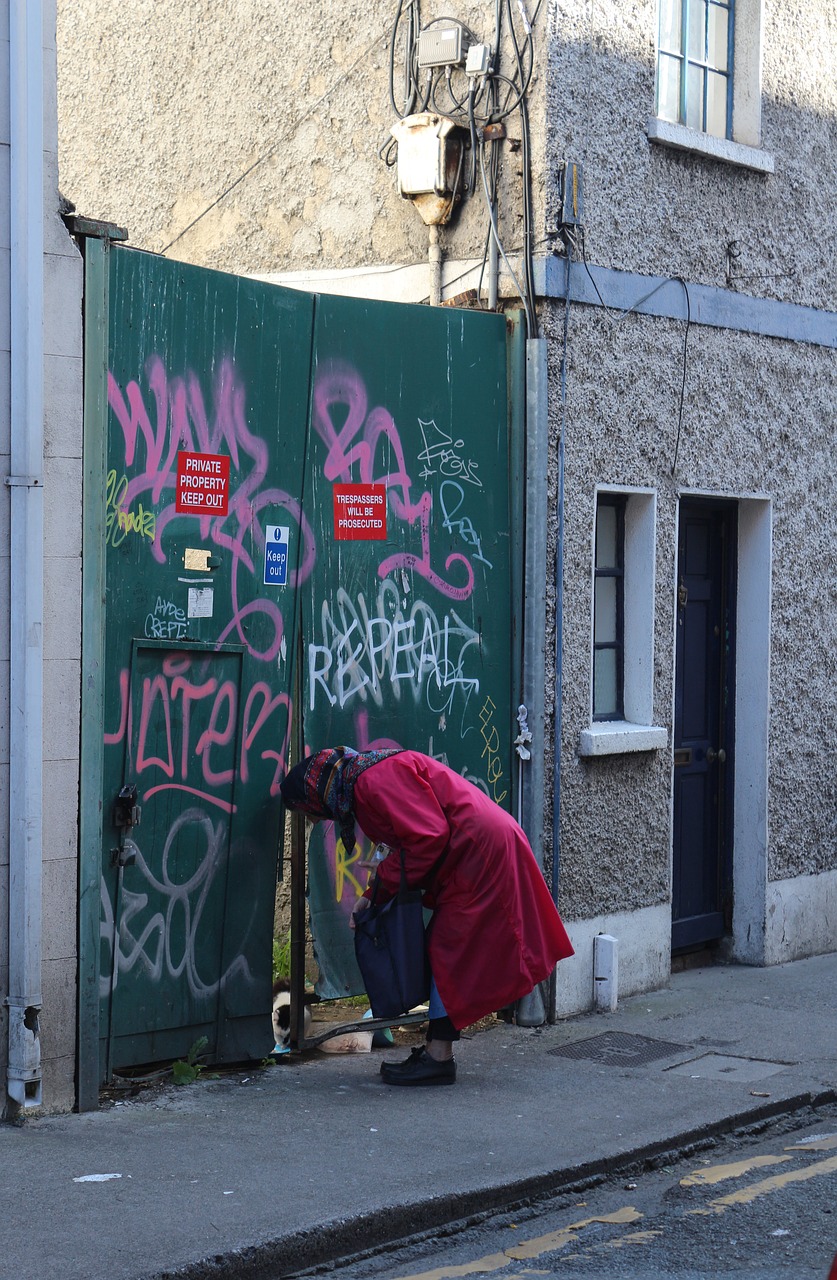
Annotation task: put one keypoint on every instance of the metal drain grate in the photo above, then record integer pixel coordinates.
(618, 1049)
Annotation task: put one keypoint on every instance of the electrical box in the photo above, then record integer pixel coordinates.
(478, 60)
(572, 204)
(430, 156)
(441, 46)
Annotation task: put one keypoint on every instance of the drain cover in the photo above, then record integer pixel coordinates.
(718, 1066)
(618, 1049)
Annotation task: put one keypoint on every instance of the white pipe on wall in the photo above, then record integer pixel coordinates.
(25, 483)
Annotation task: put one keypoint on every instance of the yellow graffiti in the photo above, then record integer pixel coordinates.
(342, 872)
(119, 522)
(141, 521)
(114, 493)
(491, 738)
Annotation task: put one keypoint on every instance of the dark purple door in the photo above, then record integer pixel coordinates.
(701, 900)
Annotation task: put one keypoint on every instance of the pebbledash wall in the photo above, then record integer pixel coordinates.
(267, 162)
(40, 393)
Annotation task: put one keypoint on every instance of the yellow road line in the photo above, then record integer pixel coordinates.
(780, 1180)
(816, 1144)
(557, 1239)
(721, 1172)
(527, 1248)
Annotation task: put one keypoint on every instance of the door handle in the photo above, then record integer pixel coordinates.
(720, 755)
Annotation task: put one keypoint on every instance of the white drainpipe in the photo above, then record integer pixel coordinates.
(26, 551)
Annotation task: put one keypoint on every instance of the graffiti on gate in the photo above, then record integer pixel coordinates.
(186, 761)
(179, 421)
(162, 930)
(402, 641)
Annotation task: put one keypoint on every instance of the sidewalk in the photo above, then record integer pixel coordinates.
(258, 1175)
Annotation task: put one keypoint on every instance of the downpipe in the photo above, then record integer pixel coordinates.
(26, 543)
(531, 1010)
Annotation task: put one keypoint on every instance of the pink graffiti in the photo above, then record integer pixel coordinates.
(356, 442)
(181, 422)
(166, 703)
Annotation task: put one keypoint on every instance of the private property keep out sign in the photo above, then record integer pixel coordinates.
(203, 484)
(360, 512)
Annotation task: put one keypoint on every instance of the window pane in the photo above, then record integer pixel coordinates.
(697, 30)
(716, 105)
(668, 89)
(604, 614)
(671, 25)
(604, 683)
(605, 537)
(718, 37)
(694, 101)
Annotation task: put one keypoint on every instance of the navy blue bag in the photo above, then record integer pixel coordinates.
(391, 952)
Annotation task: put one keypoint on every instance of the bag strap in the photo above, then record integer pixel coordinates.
(403, 887)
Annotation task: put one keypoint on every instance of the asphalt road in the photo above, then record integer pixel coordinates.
(761, 1205)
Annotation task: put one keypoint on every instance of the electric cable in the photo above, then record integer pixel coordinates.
(499, 244)
(617, 316)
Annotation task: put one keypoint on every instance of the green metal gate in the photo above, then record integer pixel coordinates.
(407, 628)
(257, 459)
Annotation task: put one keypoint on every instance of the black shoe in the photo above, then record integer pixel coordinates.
(398, 1067)
(420, 1069)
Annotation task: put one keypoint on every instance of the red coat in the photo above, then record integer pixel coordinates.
(495, 932)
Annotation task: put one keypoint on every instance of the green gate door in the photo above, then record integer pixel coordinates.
(257, 459)
(207, 408)
(409, 613)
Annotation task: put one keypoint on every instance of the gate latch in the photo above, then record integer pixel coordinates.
(126, 811)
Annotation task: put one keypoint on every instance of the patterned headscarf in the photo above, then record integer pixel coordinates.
(324, 785)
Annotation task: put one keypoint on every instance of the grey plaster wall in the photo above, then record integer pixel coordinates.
(652, 210)
(165, 110)
(759, 419)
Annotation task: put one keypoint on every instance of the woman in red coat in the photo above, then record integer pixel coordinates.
(495, 932)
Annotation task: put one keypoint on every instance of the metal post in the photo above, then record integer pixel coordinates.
(435, 258)
(26, 554)
(531, 1010)
(297, 1009)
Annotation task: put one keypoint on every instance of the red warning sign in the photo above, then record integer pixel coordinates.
(360, 512)
(203, 484)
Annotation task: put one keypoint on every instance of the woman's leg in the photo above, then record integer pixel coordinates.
(441, 1033)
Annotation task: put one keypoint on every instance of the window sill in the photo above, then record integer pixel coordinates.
(678, 137)
(617, 737)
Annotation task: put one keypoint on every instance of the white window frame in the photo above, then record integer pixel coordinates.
(745, 147)
(637, 731)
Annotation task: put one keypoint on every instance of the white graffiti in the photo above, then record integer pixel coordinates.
(441, 455)
(451, 498)
(167, 621)
(154, 924)
(363, 652)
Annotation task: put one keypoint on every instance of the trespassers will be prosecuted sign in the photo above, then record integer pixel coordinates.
(203, 484)
(360, 511)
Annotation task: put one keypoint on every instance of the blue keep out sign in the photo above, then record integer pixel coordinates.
(276, 555)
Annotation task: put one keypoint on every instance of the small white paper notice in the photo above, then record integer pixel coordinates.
(200, 602)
